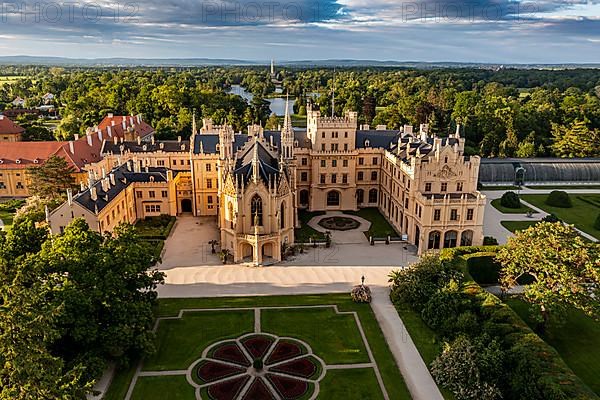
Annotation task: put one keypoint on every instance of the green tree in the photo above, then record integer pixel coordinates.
(470, 368)
(272, 122)
(108, 297)
(576, 140)
(28, 370)
(51, 179)
(565, 269)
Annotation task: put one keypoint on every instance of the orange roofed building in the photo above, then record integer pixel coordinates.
(9, 131)
(80, 153)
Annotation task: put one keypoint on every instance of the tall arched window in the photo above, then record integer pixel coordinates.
(282, 215)
(466, 238)
(373, 196)
(304, 197)
(333, 198)
(257, 210)
(230, 207)
(450, 239)
(360, 196)
(434, 240)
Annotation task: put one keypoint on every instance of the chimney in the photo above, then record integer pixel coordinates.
(139, 140)
(100, 135)
(152, 140)
(110, 115)
(71, 147)
(82, 186)
(77, 136)
(130, 121)
(408, 129)
(111, 176)
(115, 140)
(93, 194)
(70, 196)
(103, 172)
(109, 131)
(129, 165)
(112, 123)
(124, 123)
(179, 139)
(1, 117)
(139, 119)
(89, 139)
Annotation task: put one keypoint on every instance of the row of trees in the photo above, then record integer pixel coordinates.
(521, 113)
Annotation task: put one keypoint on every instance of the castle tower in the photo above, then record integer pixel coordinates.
(226, 142)
(287, 134)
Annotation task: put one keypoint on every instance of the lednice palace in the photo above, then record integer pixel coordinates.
(254, 183)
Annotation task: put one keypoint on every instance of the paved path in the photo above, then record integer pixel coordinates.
(493, 217)
(353, 236)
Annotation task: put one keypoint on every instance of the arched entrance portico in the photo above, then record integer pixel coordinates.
(267, 251)
(186, 205)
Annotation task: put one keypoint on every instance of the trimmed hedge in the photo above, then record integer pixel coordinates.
(483, 268)
(597, 223)
(559, 198)
(530, 368)
(510, 200)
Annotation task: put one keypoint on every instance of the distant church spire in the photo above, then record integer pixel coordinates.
(194, 127)
(272, 67)
(287, 132)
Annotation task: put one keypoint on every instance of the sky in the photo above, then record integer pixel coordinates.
(490, 31)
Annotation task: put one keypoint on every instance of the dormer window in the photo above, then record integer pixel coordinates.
(145, 147)
(367, 143)
(18, 161)
(36, 161)
(151, 179)
(183, 147)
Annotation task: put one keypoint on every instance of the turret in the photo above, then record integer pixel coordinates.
(287, 134)
(226, 142)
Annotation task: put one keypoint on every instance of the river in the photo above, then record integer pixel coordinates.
(277, 104)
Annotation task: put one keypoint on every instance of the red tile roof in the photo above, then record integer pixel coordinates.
(78, 153)
(116, 123)
(9, 127)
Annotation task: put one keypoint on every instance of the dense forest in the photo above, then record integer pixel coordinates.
(505, 112)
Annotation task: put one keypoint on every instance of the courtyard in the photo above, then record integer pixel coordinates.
(281, 347)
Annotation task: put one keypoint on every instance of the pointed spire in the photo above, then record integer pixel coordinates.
(255, 162)
(194, 127)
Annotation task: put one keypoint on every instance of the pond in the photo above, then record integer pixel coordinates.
(277, 105)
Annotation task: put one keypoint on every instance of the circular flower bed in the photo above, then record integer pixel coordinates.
(258, 367)
(339, 223)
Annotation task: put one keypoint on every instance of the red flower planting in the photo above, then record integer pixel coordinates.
(258, 367)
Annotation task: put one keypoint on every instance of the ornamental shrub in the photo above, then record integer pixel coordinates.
(484, 269)
(361, 294)
(510, 200)
(551, 218)
(490, 241)
(559, 198)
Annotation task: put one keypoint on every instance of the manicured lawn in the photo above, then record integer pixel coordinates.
(424, 338)
(333, 337)
(356, 384)
(379, 225)
(586, 207)
(577, 341)
(155, 227)
(181, 341)
(521, 210)
(305, 232)
(169, 387)
(514, 226)
(8, 210)
(503, 188)
(565, 187)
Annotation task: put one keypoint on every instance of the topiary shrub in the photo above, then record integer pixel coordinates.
(559, 198)
(361, 294)
(484, 269)
(490, 241)
(510, 200)
(551, 218)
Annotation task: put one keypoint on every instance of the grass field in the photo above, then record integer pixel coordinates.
(379, 225)
(425, 339)
(577, 341)
(514, 226)
(521, 210)
(306, 232)
(563, 187)
(335, 338)
(11, 79)
(583, 214)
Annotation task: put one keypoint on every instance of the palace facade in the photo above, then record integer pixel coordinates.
(255, 182)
